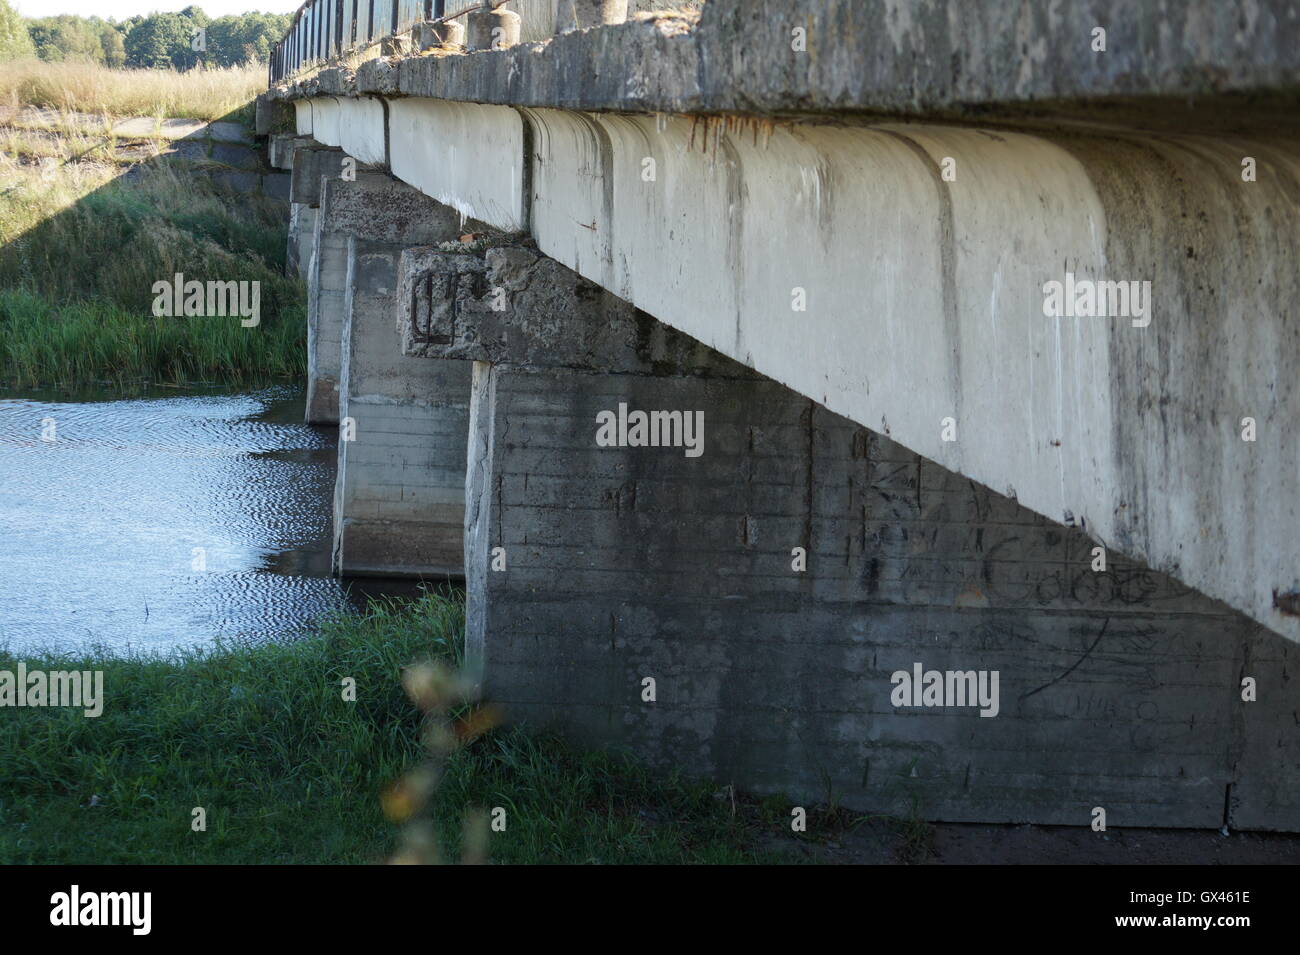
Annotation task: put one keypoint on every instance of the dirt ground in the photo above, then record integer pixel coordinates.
(884, 842)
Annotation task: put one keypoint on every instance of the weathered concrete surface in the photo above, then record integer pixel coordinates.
(374, 208)
(302, 236)
(1119, 688)
(399, 503)
(480, 150)
(270, 115)
(893, 273)
(910, 56)
(923, 298)
(310, 164)
(281, 147)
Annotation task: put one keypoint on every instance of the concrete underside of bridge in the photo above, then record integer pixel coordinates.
(856, 306)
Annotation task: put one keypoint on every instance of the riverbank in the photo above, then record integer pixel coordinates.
(288, 771)
(92, 219)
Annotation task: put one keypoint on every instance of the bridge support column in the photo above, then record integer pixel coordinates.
(325, 265)
(400, 492)
(763, 598)
(307, 163)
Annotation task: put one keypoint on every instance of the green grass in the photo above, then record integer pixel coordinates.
(42, 343)
(81, 246)
(289, 772)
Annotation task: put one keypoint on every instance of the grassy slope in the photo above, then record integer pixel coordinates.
(81, 244)
(289, 772)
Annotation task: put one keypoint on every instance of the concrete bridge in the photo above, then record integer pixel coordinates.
(751, 363)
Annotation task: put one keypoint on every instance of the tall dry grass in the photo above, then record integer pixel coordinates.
(85, 87)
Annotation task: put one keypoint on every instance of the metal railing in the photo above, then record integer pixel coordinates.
(324, 29)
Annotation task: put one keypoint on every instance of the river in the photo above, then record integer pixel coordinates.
(166, 520)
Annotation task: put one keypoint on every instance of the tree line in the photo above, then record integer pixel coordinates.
(156, 41)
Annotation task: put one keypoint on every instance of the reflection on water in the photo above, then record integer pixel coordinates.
(163, 521)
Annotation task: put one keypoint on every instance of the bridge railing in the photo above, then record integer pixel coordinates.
(324, 29)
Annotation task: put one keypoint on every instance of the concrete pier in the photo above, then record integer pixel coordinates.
(308, 162)
(399, 496)
(772, 579)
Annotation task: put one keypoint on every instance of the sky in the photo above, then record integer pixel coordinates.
(121, 9)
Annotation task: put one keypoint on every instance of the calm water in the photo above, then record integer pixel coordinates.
(163, 521)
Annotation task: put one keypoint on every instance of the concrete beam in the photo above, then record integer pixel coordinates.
(475, 163)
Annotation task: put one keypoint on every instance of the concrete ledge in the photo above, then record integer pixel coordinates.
(917, 56)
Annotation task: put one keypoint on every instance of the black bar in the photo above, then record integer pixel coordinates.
(1020, 905)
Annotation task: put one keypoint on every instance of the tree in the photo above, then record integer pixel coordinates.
(245, 37)
(111, 42)
(160, 41)
(15, 41)
(67, 37)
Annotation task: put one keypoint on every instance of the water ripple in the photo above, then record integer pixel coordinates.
(158, 522)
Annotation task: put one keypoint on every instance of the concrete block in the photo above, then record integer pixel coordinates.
(310, 165)
(281, 147)
(277, 185)
(511, 305)
(573, 15)
(242, 157)
(427, 35)
(270, 116)
(225, 132)
(244, 183)
(491, 29)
